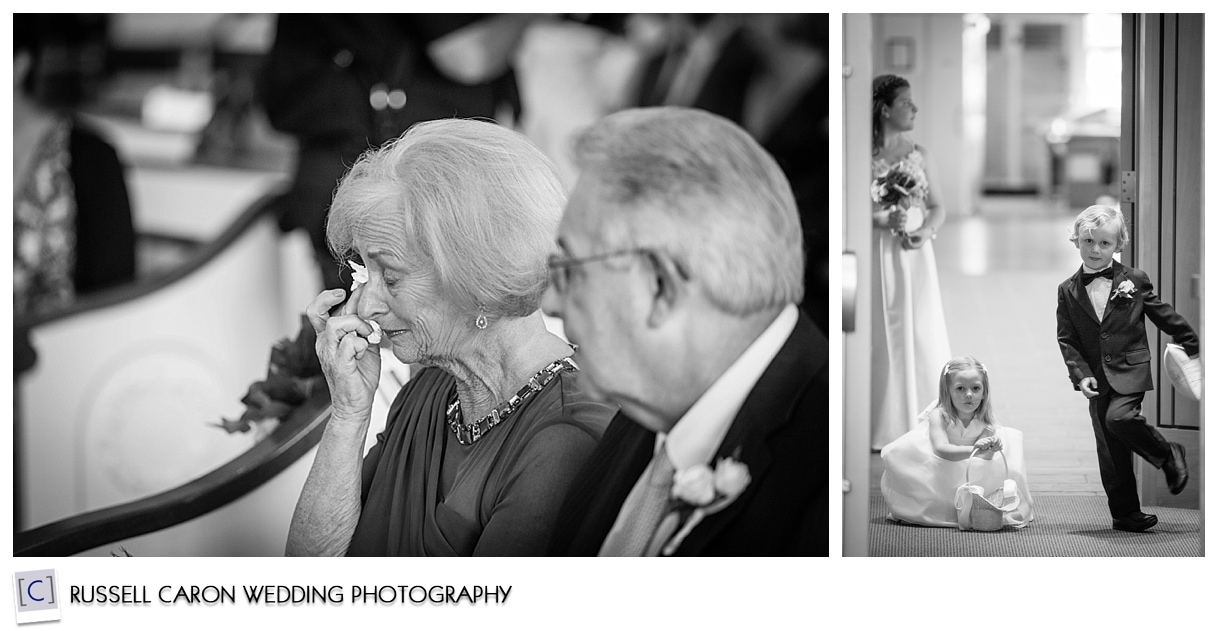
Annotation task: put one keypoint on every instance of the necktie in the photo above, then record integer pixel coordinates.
(1088, 277)
(643, 510)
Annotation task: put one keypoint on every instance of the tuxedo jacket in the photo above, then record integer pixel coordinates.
(782, 434)
(1114, 349)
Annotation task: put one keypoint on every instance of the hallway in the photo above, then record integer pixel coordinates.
(999, 271)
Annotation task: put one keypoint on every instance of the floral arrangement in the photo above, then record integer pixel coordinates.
(898, 189)
(1124, 291)
(292, 375)
(699, 491)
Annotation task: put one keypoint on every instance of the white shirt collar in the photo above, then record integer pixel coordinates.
(696, 436)
(1097, 290)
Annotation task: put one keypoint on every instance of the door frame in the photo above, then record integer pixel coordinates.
(856, 243)
(1161, 193)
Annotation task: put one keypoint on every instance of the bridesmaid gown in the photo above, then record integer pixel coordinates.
(911, 344)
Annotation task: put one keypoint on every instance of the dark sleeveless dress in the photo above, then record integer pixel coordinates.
(507, 488)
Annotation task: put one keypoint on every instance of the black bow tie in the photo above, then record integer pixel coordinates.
(1087, 278)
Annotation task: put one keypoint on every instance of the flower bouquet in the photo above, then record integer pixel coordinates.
(292, 375)
(897, 190)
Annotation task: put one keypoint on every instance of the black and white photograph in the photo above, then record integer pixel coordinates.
(1022, 281)
(421, 285)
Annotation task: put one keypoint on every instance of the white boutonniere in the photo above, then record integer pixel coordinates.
(699, 491)
(1124, 290)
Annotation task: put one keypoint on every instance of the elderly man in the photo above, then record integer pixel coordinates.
(681, 266)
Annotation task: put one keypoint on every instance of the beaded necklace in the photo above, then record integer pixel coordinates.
(469, 434)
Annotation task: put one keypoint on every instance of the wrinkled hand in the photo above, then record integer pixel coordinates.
(1089, 387)
(352, 366)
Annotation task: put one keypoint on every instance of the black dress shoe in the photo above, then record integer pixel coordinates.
(1135, 522)
(1176, 469)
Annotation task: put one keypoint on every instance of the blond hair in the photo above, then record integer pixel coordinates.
(1097, 217)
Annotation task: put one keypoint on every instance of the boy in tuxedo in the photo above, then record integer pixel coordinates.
(1102, 335)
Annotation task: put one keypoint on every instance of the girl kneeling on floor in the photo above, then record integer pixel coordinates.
(956, 438)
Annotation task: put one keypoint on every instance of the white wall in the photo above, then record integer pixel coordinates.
(936, 73)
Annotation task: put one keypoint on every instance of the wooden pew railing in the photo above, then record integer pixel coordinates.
(109, 373)
(293, 438)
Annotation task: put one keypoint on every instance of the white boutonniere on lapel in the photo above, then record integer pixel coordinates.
(700, 490)
(1124, 290)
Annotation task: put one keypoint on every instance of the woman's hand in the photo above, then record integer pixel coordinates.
(917, 238)
(352, 366)
(896, 219)
(890, 219)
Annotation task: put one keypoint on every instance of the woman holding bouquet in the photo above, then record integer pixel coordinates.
(453, 223)
(906, 212)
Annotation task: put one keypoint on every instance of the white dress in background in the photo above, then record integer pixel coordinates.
(920, 487)
(909, 329)
(569, 75)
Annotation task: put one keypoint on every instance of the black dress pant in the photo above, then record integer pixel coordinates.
(1120, 431)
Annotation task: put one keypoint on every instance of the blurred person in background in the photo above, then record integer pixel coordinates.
(73, 231)
(454, 222)
(767, 73)
(910, 339)
(573, 69)
(342, 83)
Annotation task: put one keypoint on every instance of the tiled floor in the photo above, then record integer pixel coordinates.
(999, 272)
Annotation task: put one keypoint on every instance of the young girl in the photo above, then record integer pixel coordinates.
(924, 468)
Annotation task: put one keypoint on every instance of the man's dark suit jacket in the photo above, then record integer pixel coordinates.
(1115, 350)
(782, 432)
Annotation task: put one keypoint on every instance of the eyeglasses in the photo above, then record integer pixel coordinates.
(560, 268)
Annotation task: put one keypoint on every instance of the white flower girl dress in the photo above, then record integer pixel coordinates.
(920, 487)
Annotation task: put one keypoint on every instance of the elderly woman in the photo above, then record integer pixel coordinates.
(453, 221)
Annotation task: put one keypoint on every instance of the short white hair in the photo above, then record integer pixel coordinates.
(697, 187)
(478, 202)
